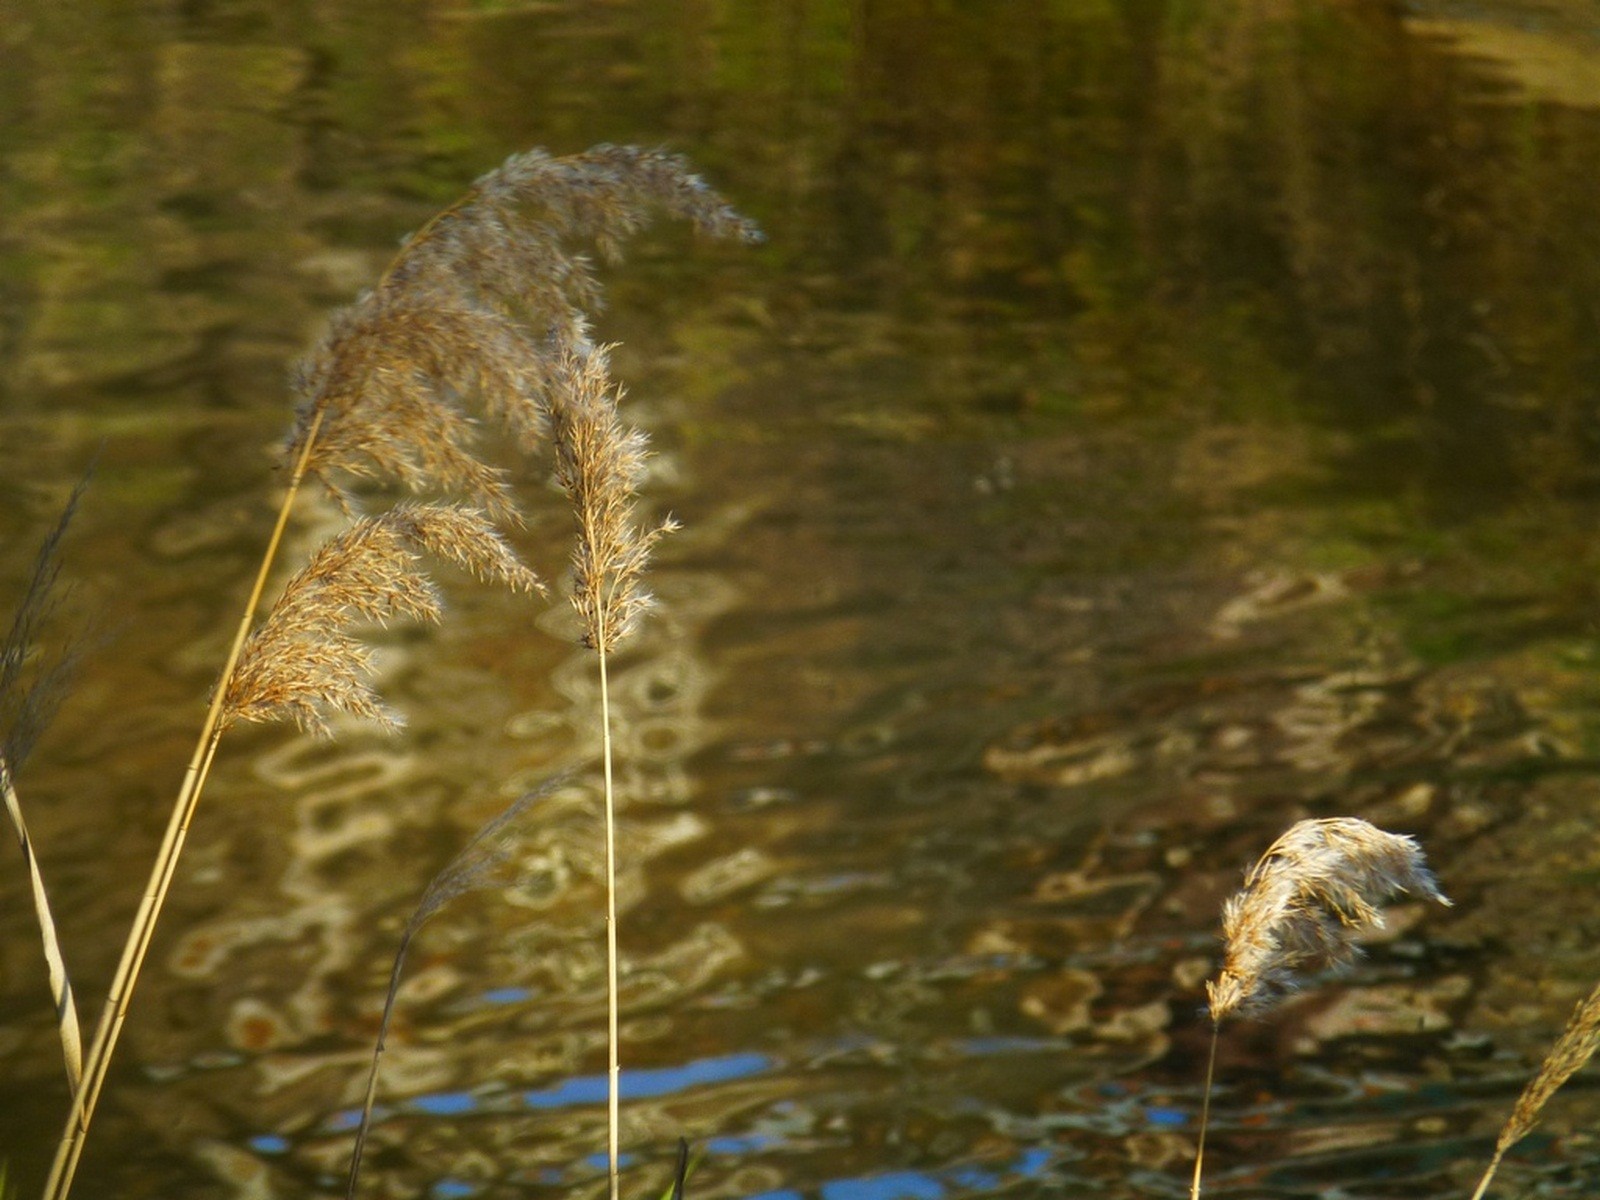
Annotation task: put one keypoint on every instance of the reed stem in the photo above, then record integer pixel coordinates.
(1494, 1165)
(1205, 1113)
(614, 1075)
(109, 1027)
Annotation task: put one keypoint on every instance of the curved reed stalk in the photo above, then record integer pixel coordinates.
(55, 966)
(483, 302)
(1304, 904)
(28, 698)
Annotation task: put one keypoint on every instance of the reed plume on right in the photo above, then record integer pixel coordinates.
(485, 306)
(1574, 1048)
(1303, 905)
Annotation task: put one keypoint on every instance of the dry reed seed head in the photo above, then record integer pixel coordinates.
(482, 303)
(367, 572)
(1573, 1049)
(303, 664)
(1305, 901)
(386, 384)
(599, 464)
(607, 193)
(518, 266)
(305, 680)
(467, 538)
(507, 242)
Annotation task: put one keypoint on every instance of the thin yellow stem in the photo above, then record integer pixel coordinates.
(1494, 1165)
(614, 1087)
(1205, 1113)
(422, 235)
(109, 1028)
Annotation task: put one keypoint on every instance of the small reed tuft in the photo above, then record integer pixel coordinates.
(303, 664)
(1304, 904)
(1572, 1050)
(599, 464)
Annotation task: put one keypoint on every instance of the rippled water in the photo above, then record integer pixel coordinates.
(1146, 425)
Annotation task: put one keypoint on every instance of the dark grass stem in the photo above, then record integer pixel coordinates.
(1205, 1113)
(378, 1048)
(473, 868)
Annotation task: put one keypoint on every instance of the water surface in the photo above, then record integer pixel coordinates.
(1147, 424)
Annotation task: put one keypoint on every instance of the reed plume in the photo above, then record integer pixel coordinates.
(1304, 904)
(1572, 1050)
(485, 301)
(479, 311)
(31, 686)
(303, 663)
(599, 464)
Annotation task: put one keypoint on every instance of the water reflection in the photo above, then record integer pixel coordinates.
(1148, 424)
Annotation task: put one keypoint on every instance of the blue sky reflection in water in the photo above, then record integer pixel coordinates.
(587, 1090)
(1146, 424)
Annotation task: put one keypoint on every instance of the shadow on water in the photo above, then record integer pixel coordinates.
(1147, 424)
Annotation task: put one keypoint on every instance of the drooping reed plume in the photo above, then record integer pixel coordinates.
(31, 686)
(480, 311)
(473, 868)
(1574, 1048)
(599, 464)
(485, 301)
(1304, 904)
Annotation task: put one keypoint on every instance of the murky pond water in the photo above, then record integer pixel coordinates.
(1147, 424)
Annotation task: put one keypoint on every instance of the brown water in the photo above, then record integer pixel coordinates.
(1146, 425)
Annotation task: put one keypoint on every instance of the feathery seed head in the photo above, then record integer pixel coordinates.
(599, 464)
(303, 664)
(1572, 1050)
(481, 306)
(467, 538)
(386, 386)
(1304, 903)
